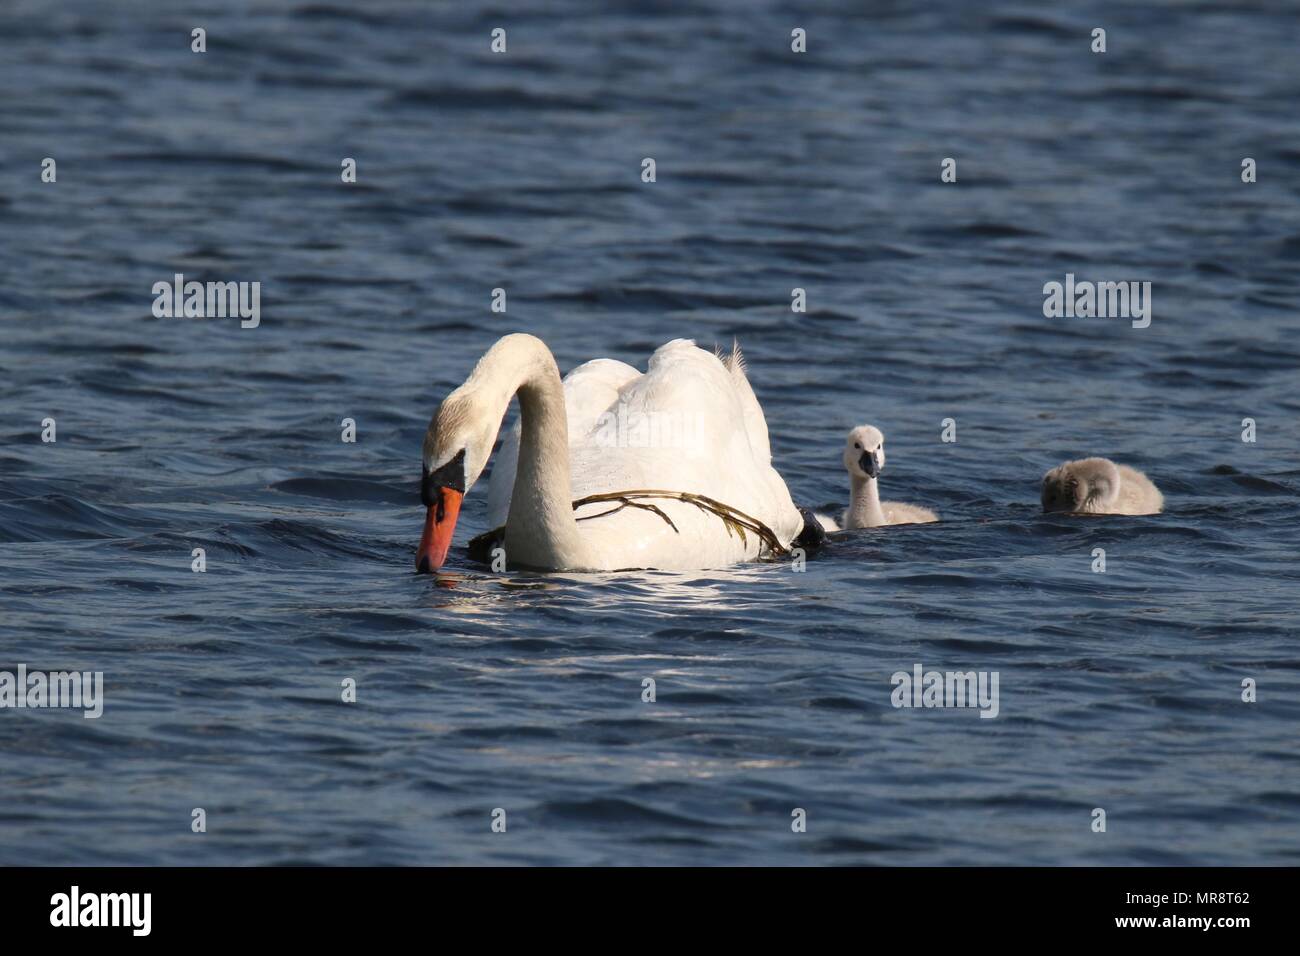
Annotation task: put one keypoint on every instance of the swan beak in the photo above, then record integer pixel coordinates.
(439, 523)
(868, 464)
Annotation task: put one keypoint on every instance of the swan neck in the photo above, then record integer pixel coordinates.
(864, 506)
(540, 526)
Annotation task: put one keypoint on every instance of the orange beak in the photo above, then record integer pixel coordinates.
(439, 523)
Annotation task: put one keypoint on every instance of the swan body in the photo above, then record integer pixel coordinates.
(690, 423)
(864, 458)
(1099, 486)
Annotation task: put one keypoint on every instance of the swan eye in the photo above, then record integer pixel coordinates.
(858, 445)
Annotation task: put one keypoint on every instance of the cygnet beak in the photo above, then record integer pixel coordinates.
(869, 464)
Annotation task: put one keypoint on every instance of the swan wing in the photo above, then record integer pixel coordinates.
(692, 424)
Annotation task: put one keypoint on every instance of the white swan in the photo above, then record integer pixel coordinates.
(864, 457)
(1099, 486)
(690, 424)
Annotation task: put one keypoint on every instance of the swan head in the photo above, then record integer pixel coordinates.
(456, 449)
(1087, 485)
(864, 452)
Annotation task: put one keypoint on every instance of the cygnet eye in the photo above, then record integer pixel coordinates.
(857, 445)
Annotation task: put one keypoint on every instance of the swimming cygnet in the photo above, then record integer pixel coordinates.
(864, 457)
(1099, 486)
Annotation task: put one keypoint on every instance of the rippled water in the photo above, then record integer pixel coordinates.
(1118, 690)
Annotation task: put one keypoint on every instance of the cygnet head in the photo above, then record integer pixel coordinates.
(864, 452)
(1088, 485)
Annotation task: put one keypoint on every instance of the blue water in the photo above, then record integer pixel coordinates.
(520, 691)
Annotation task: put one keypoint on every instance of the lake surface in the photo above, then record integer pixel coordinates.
(475, 691)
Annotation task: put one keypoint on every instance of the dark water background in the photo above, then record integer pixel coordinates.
(1118, 690)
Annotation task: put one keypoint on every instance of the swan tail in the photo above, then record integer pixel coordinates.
(735, 362)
